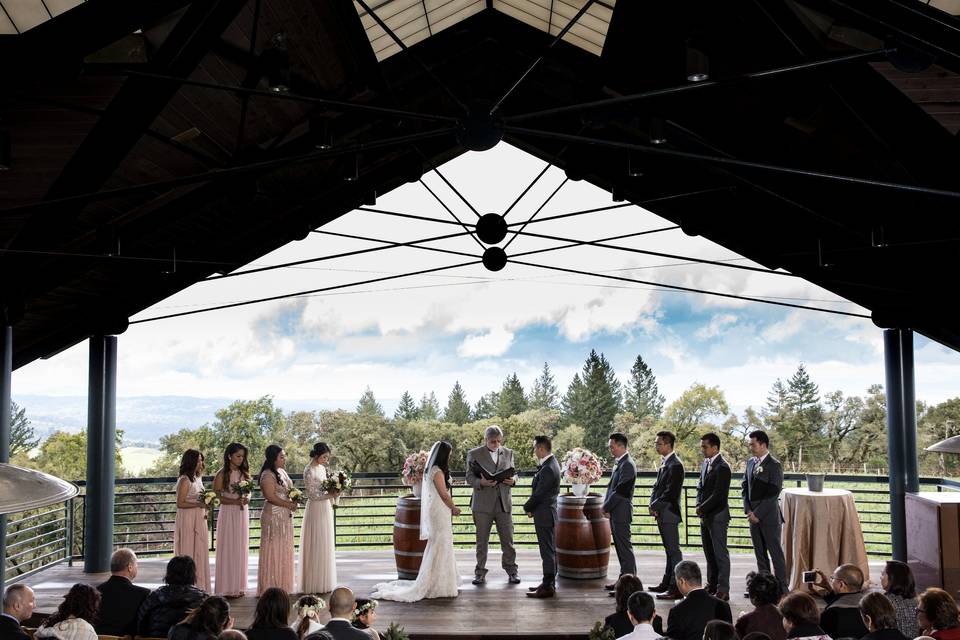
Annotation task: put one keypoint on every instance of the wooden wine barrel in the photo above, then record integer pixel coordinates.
(583, 537)
(407, 545)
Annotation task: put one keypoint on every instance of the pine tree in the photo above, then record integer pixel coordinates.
(22, 436)
(512, 398)
(368, 405)
(593, 401)
(429, 407)
(641, 395)
(458, 409)
(487, 406)
(805, 423)
(407, 409)
(544, 393)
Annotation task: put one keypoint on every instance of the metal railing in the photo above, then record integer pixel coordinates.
(145, 509)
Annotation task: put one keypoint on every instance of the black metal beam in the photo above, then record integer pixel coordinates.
(101, 463)
(6, 378)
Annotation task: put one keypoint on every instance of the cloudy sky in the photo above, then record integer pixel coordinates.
(422, 333)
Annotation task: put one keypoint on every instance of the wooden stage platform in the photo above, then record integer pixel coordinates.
(495, 610)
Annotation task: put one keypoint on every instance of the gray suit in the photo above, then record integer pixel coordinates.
(761, 495)
(543, 505)
(713, 491)
(492, 505)
(665, 500)
(619, 504)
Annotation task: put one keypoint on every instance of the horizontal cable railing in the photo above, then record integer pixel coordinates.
(145, 510)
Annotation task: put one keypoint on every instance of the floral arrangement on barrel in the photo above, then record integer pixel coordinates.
(413, 469)
(581, 468)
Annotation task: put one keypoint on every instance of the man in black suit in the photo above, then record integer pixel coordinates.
(342, 603)
(713, 508)
(542, 507)
(618, 504)
(18, 605)
(120, 599)
(762, 483)
(688, 619)
(665, 508)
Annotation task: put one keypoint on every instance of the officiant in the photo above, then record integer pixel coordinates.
(491, 473)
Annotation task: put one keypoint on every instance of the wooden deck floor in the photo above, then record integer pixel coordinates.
(496, 610)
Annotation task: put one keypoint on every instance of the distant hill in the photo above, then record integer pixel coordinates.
(144, 419)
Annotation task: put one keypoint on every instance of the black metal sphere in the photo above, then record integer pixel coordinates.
(480, 131)
(494, 258)
(491, 228)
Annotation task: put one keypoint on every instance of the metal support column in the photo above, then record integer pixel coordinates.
(911, 467)
(6, 377)
(901, 431)
(101, 463)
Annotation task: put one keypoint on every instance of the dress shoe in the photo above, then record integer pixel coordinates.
(723, 595)
(535, 588)
(610, 587)
(711, 589)
(660, 588)
(514, 579)
(479, 580)
(542, 592)
(612, 594)
(673, 594)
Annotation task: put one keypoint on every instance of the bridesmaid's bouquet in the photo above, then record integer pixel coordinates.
(296, 495)
(581, 466)
(242, 488)
(339, 481)
(210, 498)
(414, 467)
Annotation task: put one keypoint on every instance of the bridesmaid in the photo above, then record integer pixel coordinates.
(233, 524)
(190, 537)
(318, 561)
(277, 553)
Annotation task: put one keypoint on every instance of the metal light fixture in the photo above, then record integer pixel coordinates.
(950, 445)
(698, 65)
(351, 170)
(633, 164)
(657, 127)
(25, 489)
(276, 64)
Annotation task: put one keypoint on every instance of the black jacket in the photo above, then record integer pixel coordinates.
(885, 634)
(184, 632)
(120, 602)
(165, 607)
(619, 499)
(688, 619)
(665, 495)
(339, 630)
(281, 633)
(10, 629)
(841, 618)
(713, 491)
(543, 494)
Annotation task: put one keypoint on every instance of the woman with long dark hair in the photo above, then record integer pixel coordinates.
(167, 605)
(206, 622)
(233, 523)
(277, 553)
(438, 577)
(190, 536)
(270, 622)
(901, 589)
(74, 617)
(318, 563)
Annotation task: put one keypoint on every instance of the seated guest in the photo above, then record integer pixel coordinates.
(899, 586)
(619, 621)
(641, 610)
(167, 605)
(271, 620)
(308, 616)
(231, 634)
(688, 619)
(74, 617)
(18, 605)
(364, 617)
(801, 617)
(764, 592)
(120, 599)
(841, 618)
(756, 635)
(719, 630)
(879, 617)
(206, 622)
(342, 605)
(937, 615)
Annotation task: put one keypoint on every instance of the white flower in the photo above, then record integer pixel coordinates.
(758, 469)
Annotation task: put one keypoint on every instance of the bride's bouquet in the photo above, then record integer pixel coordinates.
(339, 481)
(414, 467)
(210, 498)
(581, 466)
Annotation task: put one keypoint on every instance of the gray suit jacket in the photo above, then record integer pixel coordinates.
(543, 494)
(665, 495)
(761, 489)
(619, 499)
(485, 499)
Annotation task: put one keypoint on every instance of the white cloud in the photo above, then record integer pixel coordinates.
(490, 344)
(716, 326)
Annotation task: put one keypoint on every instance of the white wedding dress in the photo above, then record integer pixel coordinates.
(438, 577)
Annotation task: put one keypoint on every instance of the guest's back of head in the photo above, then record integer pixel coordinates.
(851, 576)
(756, 635)
(899, 579)
(877, 612)
(626, 586)
(939, 608)
(799, 608)
(210, 617)
(181, 571)
(762, 588)
(719, 630)
(341, 603)
(82, 601)
(641, 607)
(273, 610)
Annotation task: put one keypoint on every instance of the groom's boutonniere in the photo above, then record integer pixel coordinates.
(758, 470)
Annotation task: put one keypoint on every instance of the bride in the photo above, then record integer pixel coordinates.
(438, 577)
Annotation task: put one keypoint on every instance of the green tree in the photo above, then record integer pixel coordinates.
(802, 430)
(641, 395)
(869, 441)
(568, 438)
(458, 409)
(520, 429)
(691, 415)
(544, 393)
(368, 405)
(593, 400)
(23, 439)
(429, 407)
(407, 409)
(937, 423)
(487, 406)
(512, 398)
(301, 430)
(361, 443)
(65, 455)
(734, 436)
(841, 419)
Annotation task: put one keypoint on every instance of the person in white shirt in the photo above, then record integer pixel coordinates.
(641, 609)
(73, 618)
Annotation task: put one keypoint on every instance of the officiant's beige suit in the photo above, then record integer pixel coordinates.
(492, 505)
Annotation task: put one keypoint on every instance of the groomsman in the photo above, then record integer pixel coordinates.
(713, 508)
(618, 504)
(542, 507)
(665, 508)
(762, 484)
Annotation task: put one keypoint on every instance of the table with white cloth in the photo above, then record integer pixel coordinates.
(821, 530)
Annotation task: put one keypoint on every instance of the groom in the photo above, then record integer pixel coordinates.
(491, 503)
(542, 507)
